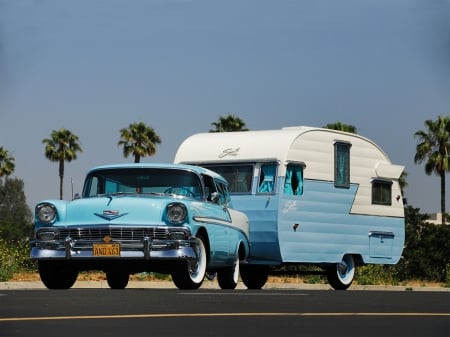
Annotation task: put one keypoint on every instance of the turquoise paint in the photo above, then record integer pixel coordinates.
(317, 227)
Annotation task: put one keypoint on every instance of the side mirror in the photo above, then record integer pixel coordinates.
(215, 197)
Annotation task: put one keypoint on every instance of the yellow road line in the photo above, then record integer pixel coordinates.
(241, 314)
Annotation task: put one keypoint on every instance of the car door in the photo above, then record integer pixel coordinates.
(219, 228)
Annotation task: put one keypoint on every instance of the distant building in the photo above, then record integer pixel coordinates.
(435, 218)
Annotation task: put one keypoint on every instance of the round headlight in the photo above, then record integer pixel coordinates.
(46, 213)
(176, 213)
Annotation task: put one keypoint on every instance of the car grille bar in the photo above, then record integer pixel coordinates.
(115, 233)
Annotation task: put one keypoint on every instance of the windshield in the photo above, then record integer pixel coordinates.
(143, 180)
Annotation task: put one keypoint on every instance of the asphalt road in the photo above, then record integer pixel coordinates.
(213, 312)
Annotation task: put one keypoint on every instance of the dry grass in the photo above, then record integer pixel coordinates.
(84, 276)
(100, 276)
(25, 277)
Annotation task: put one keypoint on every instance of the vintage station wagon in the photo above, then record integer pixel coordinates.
(132, 218)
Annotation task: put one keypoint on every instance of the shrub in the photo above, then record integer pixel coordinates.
(447, 275)
(14, 258)
(375, 274)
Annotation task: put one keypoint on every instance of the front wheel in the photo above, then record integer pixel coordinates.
(340, 275)
(117, 280)
(228, 278)
(189, 275)
(57, 274)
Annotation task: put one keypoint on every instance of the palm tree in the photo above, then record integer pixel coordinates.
(7, 164)
(433, 149)
(229, 123)
(62, 146)
(139, 140)
(341, 127)
(403, 183)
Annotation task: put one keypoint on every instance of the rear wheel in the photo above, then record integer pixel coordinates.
(340, 275)
(57, 274)
(254, 276)
(117, 280)
(190, 274)
(228, 278)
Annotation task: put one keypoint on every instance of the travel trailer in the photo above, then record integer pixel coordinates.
(314, 196)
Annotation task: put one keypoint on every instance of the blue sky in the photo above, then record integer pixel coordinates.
(95, 66)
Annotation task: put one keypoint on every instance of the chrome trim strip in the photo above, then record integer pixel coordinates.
(212, 220)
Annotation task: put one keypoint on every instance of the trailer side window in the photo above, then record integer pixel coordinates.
(239, 177)
(342, 164)
(293, 182)
(267, 175)
(382, 192)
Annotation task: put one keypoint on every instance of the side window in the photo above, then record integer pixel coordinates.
(342, 164)
(381, 192)
(223, 193)
(210, 188)
(293, 182)
(267, 176)
(93, 187)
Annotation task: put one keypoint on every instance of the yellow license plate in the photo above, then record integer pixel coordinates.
(106, 249)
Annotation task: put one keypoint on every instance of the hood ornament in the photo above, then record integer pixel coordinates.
(110, 214)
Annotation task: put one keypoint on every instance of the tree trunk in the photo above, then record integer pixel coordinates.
(443, 197)
(61, 178)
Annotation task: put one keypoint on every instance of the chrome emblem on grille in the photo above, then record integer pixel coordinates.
(110, 214)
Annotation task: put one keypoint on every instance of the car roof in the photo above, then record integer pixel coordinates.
(193, 168)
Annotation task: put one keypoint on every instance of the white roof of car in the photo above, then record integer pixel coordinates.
(197, 169)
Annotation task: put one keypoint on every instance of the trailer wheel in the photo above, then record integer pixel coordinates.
(340, 275)
(254, 276)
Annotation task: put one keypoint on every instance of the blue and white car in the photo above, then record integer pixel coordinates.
(132, 218)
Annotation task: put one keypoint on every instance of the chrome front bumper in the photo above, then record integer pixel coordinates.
(134, 244)
(148, 250)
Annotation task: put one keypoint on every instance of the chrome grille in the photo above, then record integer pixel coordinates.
(121, 233)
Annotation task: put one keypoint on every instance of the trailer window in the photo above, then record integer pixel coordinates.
(293, 182)
(267, 175)
(382, 192)
(342, 164)
(239, 177)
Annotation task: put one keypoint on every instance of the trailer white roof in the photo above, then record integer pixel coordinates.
(242, 145)
(248, 145)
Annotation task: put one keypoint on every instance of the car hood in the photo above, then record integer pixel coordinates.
(116, 210)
